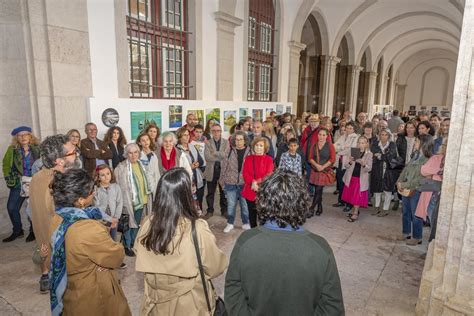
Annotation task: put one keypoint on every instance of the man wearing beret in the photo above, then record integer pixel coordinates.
(17, 164)
(94, 151)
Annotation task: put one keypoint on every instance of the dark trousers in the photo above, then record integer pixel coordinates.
(307, 174)
(15, 201)
(340, 183)
(434, 215)
(318, 196)
(252, 213)
(200, 195)
(211, 192)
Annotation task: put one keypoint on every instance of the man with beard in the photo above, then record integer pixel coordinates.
(58, 154)
(191, 122)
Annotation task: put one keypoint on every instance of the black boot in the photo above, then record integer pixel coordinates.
(312, 208)
(320, 210)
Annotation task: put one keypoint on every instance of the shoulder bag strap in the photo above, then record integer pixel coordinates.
(201, 269)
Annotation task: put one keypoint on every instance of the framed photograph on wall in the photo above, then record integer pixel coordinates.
(176, 116)
(140, 120)
(243, 112)
(257, 114)
(412, 107)
(213, 114)
(230, 119)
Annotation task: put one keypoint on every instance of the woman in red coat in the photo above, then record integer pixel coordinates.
(256, 167)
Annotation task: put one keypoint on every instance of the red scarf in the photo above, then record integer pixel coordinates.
(168, 164)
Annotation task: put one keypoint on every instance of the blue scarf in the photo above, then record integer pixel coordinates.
(57, 274)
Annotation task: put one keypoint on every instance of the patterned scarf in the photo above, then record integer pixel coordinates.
(58, 274)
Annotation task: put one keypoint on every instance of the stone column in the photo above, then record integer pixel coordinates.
(293, 80)
(447, 285)
(226, 24)
(400, 97)
(383, 90)
(371, 82)
(328, 75)
(352, 87)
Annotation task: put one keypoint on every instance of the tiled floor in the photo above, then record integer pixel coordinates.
(379, 275)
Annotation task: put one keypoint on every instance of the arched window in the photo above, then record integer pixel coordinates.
(261, 37)
(157, 33)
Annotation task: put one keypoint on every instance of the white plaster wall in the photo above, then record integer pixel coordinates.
(209, 50)
(429, 83)
(102, 47)
(240, 81)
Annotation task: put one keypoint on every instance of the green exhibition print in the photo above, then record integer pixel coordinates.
(257, 114)
(230, 119)
(140, 121)
(199, 114)
(176, 116)
(213, 114)
(243, 112)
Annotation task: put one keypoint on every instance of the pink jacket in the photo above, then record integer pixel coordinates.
(430, 170)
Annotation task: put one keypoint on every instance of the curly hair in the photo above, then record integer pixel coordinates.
(239, 133)
(70, 186)
(52, 148)
(283, 198)
(122, 141)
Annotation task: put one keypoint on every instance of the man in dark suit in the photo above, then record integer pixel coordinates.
(94, 151)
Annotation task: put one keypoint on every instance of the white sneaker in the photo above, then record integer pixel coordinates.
(228, 228)
(246, 226)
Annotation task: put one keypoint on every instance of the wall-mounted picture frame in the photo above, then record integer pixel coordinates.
(140, 120)
(175, 116)
(230, 119)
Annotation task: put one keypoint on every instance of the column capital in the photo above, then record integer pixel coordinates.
(373, 74)
(355, 68)
(387, 78)
(296, 47)
(227, 22)
(330, 60)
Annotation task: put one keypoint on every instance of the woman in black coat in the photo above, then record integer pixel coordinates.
(383, 178)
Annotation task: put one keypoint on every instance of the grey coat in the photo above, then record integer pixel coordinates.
(123, 180)
(212, 155)
(112, 196)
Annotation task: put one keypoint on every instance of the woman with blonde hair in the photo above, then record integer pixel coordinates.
(17, 170)
(269, 131)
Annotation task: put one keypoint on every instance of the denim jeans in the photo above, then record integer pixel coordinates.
(113, 233)
(130, 235)
(15, 201)
(412, 225)
(233, 193)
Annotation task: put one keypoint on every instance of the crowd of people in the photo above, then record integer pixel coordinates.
(145, 198)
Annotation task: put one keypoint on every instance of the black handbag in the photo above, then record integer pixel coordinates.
(429, 185)
(397, 163)
(123, 223)
(220, 306)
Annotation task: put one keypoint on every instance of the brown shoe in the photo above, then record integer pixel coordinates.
(402, 237)
(414, 242)
(383, 213)
(378, 210)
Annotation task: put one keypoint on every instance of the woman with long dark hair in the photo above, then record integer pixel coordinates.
(115, 139)
(166, 254)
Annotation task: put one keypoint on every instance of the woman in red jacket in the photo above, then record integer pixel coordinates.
(256, 167)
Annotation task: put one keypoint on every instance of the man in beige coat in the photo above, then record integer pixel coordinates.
(57, 154)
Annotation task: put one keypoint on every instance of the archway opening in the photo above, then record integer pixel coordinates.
(362, 90)
(310, 68)
(340, 85)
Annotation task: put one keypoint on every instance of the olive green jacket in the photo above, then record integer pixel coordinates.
(13, 164)
(411, 174)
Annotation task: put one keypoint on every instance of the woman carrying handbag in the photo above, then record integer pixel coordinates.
(166, 253)
(321, 159)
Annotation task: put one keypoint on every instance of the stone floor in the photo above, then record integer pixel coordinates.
(379, 275)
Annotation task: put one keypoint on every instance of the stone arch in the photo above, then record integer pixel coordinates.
(379, 81)
(398, 19)
(350, 48)
(368, 56)
(301, 18)
(400, 36)
(343, 30)
(445, 85)
(424, 62)
(433, 41)
(343, 51)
